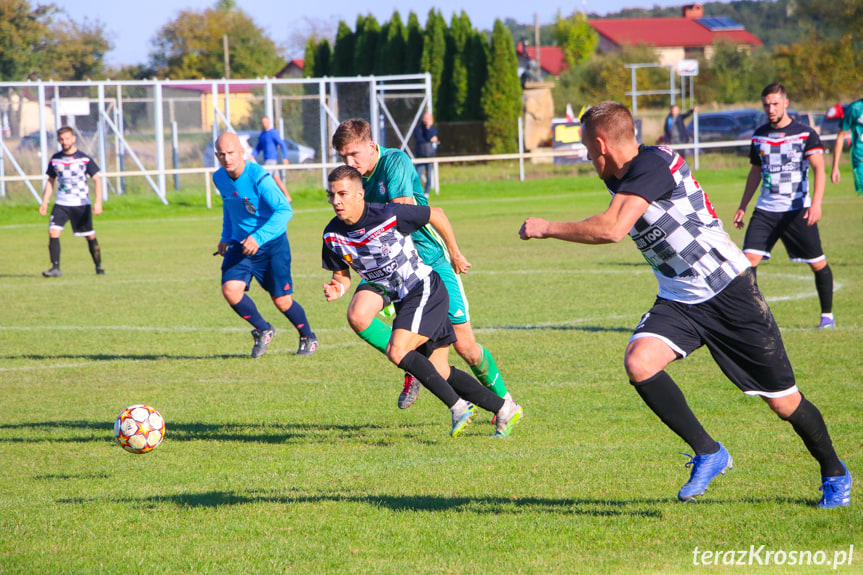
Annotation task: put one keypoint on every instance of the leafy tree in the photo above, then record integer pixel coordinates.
(477, 74)
(33, 44)
(413, 45)
(78, 51)
(731, 75)
(434, 52)
(367, 45)
(24, 38)
(343, 51)
(456, 67)
(190, 46)
(817, 69)
(323, 59)
(501, 95)
(845, 16)
(391, 48)
(576, 38)
(309, 58)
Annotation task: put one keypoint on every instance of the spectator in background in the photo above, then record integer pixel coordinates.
(675, 129)
(852, 122)
(425, 146)
(269, 143)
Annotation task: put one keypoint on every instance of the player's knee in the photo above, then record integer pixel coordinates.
(358, 320)
(396, 353)
(470, 351)
(231, 293)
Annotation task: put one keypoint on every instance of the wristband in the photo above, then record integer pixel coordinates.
(341, 289)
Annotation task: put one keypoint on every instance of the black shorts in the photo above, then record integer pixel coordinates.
(425, 310)
(81, 218)
(801, 241)
(737, 327)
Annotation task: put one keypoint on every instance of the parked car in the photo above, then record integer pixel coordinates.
(297, 153)
(725, 126)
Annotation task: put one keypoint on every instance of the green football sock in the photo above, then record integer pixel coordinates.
(487, 373)
(377, 335)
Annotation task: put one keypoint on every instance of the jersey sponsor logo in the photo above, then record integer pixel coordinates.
(458, 313)
(381, 273)
(357, 233)
(650, 237)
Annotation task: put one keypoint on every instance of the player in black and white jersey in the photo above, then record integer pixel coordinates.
(781, 153)
(375, 241)
(68, 171)
(707, 296)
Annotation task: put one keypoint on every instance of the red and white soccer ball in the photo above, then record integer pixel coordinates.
(139, 429)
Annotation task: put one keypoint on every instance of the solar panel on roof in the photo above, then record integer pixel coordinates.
(719, 23)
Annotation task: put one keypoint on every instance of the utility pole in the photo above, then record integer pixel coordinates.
(227, 61)
(536, 42)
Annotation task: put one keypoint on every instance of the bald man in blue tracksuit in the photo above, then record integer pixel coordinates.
(254, 243)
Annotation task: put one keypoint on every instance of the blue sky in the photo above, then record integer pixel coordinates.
(131, 28)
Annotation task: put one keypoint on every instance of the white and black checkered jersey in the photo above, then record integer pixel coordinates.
(783, 156)
(693, 258)
(379, 247)
(71, 173)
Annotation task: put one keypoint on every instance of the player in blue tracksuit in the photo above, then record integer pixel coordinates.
(254, 243)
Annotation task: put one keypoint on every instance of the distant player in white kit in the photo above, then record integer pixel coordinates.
(68, 170)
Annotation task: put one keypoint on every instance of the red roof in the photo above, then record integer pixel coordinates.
(668, 33)
(551, 58)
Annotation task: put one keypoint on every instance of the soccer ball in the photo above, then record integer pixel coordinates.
(139, 429)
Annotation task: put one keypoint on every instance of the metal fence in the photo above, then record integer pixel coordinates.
(143, 132)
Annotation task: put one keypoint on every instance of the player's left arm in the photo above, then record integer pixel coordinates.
(610, 226)
(813, 213)
(97, 198)
(442, 225)
(338, 285)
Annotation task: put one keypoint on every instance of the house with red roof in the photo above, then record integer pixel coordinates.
(293, 69)
(691, 36)
(551, 60)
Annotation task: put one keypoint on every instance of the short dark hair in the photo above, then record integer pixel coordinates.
(775, 88)
(65, 130)
(612, 119)
(350, 131)
(345, 172)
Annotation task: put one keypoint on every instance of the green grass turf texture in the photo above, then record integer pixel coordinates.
(305, 465)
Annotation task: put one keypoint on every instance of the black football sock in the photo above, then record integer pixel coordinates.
(423, 369)
(297, 316)
(54, 251)
(473, 391)
(247, 310)
(665, 399)
(809, 424)
(824, 285)
(95, 251)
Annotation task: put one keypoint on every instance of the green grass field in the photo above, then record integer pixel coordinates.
(304, 465)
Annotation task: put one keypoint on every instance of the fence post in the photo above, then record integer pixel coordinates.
(175, 154)
(521, 149)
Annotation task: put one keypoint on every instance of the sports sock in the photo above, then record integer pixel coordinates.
(809, 424)
(247, 310)
(470, 389)
(54, 251)
(297, 316)
(377, 335)
(662, 395)
(487, 373)
(824, 285)
(424, 370)
(95, 251)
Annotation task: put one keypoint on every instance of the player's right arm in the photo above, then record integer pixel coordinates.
(442, 225)
(46, 195)
(752, 181)
(610, 226)
(837, 152)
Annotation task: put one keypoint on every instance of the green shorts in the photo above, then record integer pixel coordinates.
(857, 168)
(459, 310)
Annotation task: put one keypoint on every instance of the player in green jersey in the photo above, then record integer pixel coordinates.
(852, 123)
(390, 176)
